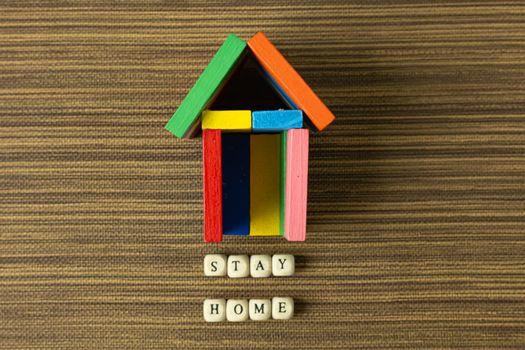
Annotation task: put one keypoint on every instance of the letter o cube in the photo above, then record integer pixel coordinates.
(237, 310)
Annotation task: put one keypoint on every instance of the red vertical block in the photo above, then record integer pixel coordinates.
(212, 161)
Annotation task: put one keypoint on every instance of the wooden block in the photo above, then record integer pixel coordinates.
(279, 120)
(296, 184)
(282, 308)
(283, 183)
(215, 265)
(214, 310)
(236, 184)
(260, 309)
(238, 266)
(184, 121)
(290, 81)
(237, 310)
(260, 266)
(227, 120)
(283, 265)
(265, 185)
(211, 147)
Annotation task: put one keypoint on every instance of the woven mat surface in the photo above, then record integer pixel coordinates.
(416, 227)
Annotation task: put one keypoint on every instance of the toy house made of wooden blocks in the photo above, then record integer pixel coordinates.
(252, 108)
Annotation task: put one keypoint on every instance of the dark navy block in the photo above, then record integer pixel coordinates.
(236, 184)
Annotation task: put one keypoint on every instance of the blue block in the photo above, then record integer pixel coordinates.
(279, 120)
(236, 184)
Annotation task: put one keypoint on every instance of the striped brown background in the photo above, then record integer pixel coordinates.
(416, 235)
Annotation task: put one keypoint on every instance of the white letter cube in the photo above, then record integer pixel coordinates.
(214, 310)
(283, 265)
(238, 266)
(215, 265)
(260, 309)
(237, 310)
(260, 266)
(282, 308)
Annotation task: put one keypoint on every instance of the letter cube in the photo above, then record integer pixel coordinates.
(215, 265)
(214, 310)
(238, 266)
(283, 265)
(282, 308)
(260, 266)
(260, 309)
(237, 310)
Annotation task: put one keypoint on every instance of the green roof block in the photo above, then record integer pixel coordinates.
(184, 121)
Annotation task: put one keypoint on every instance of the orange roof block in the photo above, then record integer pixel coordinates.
(290, 81)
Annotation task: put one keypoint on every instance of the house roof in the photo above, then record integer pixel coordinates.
(185, 121)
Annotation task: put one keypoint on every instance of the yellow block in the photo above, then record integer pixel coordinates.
(265, 185)
(227, 120)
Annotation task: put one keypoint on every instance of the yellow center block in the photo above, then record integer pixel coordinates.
(227, 120)
(265, 185)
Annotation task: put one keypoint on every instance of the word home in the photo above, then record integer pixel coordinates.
(240, 310)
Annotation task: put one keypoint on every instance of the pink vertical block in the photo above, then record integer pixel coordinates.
(296, 185)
